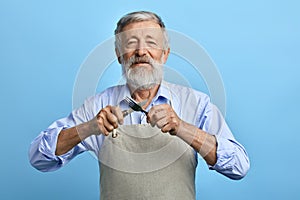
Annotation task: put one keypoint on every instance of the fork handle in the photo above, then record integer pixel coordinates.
(125, 113)
(146, 113)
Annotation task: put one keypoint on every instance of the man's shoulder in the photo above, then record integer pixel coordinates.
(113, 89)
(109, 94)
(184, 90)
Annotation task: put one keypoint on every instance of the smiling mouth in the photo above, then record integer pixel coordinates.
(141, 63)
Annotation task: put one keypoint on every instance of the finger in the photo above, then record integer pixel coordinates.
(116, 110)
(172, 126)
(155, 109)
(102, 127)
(155, 114)
(112, 120)
(159, 116)
(104, 121)
(109, 116)
(168, 128)
(162, 122)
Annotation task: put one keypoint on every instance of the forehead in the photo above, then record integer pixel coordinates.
(140, 25)
(144, 28)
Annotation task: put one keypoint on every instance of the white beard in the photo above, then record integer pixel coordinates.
(141, 77)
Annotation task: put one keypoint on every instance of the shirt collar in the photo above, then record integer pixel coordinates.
(124, 92)
(163, 93)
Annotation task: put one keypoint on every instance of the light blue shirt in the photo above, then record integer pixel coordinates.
(191, 106)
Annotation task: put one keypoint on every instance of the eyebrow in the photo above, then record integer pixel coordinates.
(150, 37)
(131, 37)
(135, 37)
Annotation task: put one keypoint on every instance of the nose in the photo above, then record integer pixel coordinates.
(141, 50)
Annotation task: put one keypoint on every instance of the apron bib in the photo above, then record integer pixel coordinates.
(144, 163)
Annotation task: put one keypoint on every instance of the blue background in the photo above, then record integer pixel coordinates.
(255, 45)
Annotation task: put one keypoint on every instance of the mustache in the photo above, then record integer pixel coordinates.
(136, 59)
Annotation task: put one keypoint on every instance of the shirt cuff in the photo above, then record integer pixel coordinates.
(48, 145)
(231, 160)
(225, 151)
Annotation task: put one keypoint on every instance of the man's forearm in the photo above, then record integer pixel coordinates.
(201, 141)
(68, 138)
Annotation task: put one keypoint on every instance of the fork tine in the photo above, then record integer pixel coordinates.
(134, 105)
(128, 100)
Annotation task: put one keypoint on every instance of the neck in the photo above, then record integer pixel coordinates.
(143, 94)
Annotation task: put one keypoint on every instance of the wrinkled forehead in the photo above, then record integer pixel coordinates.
(142, 29)
(155, 33)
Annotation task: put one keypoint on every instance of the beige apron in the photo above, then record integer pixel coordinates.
(144, 163)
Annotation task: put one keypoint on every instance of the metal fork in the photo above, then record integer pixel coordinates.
(127, 112)
(134, 106)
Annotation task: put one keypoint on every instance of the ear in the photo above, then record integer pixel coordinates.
(118, 55)
(165, 55)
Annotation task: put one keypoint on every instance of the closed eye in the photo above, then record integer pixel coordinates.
(131, 44)
(152, 43)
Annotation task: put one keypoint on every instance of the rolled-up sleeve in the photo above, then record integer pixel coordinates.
(232, 158)
(42, 149)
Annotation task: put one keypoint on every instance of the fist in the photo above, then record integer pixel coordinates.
(108, 119)
(164, 117)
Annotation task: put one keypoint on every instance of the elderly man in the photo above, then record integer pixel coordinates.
(150, 154)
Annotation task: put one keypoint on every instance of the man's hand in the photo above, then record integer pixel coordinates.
(165, 118)
(108, 119)
(104, 122)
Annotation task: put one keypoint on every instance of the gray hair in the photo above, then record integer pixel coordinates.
(140, 16)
